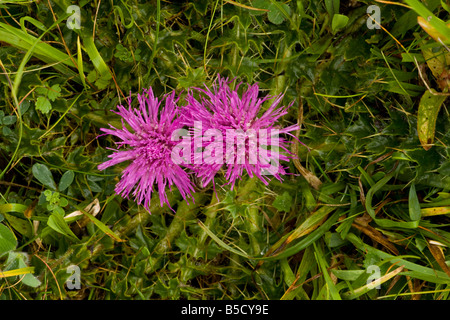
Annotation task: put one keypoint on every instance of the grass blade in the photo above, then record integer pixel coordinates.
(434, 21)
(8, 240)
(416, 271)
(96, 58)
(16, 272)
(102, 226)
(427, 212)
(282, 252)
(221, 243)
(386, 223)
(334, 293)
(370, 286)
(57, 223)
(413, 203)
(12, 207)
(80, 62)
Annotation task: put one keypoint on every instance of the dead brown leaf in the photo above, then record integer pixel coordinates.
(438, 254)
(374, 234)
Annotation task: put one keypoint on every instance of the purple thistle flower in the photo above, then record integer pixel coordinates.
(222, 113)
(149, 150)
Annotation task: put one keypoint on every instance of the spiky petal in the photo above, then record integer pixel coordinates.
(239, 119)
(148, 150)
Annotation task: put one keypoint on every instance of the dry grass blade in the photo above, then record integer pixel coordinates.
(245, 7)
(434, 211)
(375, 235)
(369, 286)
(309, 225)
(438, 254)
(16, 272)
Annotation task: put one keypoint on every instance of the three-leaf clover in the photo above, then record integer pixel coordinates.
(55, 203)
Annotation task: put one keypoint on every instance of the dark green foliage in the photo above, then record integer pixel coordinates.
(383, 197)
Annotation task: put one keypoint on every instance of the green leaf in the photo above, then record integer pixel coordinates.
(413, 203)
(194, 77)
(112, 212)
(276, 14)
(57, 223)
(260, 4)
(339, 22)
(66, 180)
(429, 107)
(43, 105)
(333, 239)
(348, 275)
(102, 226)
(63, 202)
(187, 244)
(354, 293)
(42, 90)
(19, 261)
(169, 290)
(9, 120)
(58, 210)
(54, 92)
(283, 202)
(8, 241)
(94, 186)
(43, 175)
(21, 225)
(122, 53)
(31, 280)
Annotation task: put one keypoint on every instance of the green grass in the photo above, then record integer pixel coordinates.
(368, 201)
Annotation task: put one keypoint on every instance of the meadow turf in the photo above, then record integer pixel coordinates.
(363, 213)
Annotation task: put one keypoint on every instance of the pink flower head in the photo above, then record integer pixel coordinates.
(250, 137)
(149, 146)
